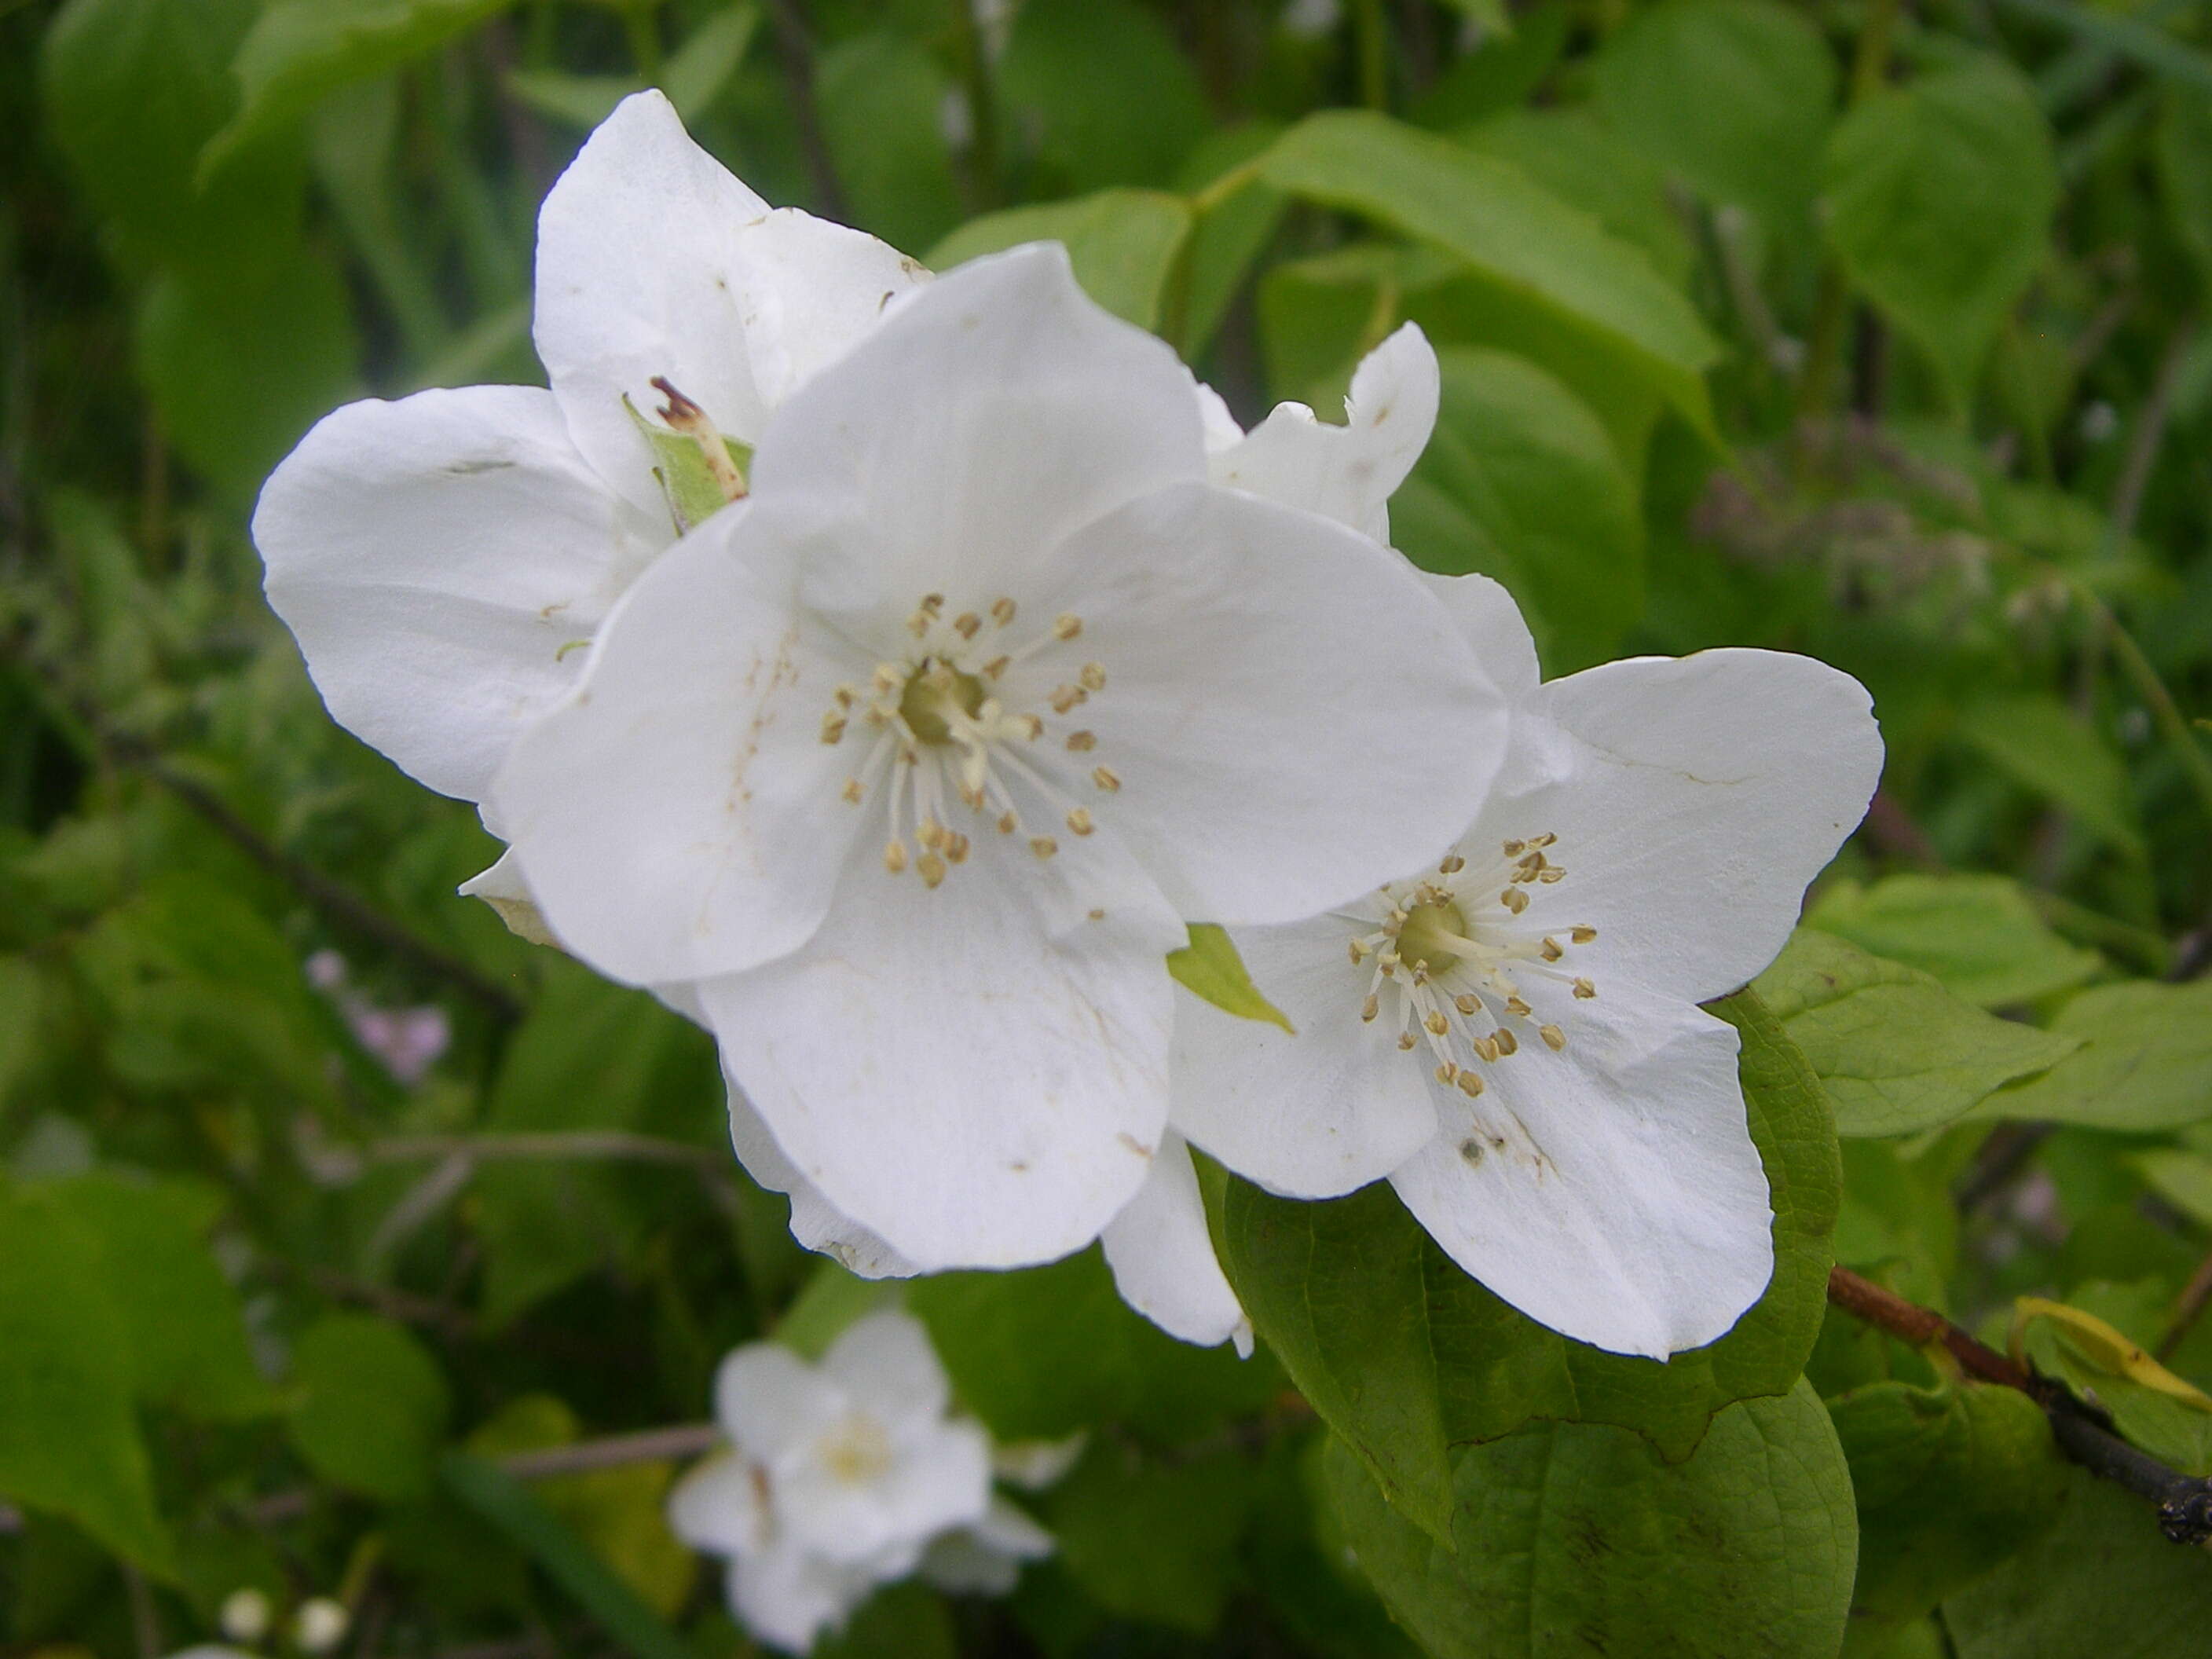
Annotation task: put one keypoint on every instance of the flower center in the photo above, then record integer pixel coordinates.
(1454, 957)
(949, 730)
(857, 1452)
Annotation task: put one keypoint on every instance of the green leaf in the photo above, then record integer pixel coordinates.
(369, 1406)
(694, 76)
(1732, 96)
(1950, 1480)
(299, 50)
(1522, 482)
(2150, 1406)
(1940, 196)
(1977, 935)
(21, 998)
(2102, 1582)
(1122, 244)
(1403, 1354)
(1507, 230)
(1578, 1539)
(1046, 1351)
(2145, 1060)
(881, 97)
(1151, 1539)
(1209, 968)
(1570, 153)
(242, 363)
(2185, 170)
(522, 1515)
(69, 1439)
(180, 1318)
(1107, 93)
(2050, 749)
(1231, 235)
(1896, 1052)
(132, 90)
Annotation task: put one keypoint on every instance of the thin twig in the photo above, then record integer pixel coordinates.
(2185, 1502)
(2186, 1306)
(795, 47)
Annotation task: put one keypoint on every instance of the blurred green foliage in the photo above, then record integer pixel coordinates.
(1843, 327)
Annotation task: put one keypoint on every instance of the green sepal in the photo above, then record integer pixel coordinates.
(1209, 967)
(686, 481)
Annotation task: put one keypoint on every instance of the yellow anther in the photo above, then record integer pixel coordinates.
(1470, 1084)
(1372, 1007)
(1582, 935)
(1407, 1039)
(1550, 874)
(844, 696)
(1097, 915)
(1079, 821)
(833, 726)
(1514, 1004)
(1067, 625)
(1028, 727)
(966, 623)
(1358, 952)
(1044, 846)
(1082, 742)
(1552, 950)
(1487, 1048)
(995, 667)
(852, 790)
(1104, 777)
(1006, 821)
(1584, 989)
(1543, 841)
(1514, 848)
(1093, 676)
(1452, 864)
(1507, 1042)
(1447, 1072)
(1002, 611)
(930, 834)
(971, 796)
(932, 868)
(1467, 1003)
(1065, 697)
(918, 625)
(895, 857)
(1437, 1025)
(1554, 1038)
(955, 848)
(888, 678)
(1514, 900)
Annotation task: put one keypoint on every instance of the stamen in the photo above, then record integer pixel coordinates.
(1067, 625)
(852, 790)
(932, 868)
(1407, 1039)
(1506, 1042)
(1002, 611)
(1467, 1004)
(1065, 697)
(1044, 846)
(1553, 1036)
(1447, 1072)
(1470, 1085)
(1093, 677)
(966, 623)
(1079, 820)
(1552, 950)
(1514, 900)
(894, 856)
(1008, 822)
(1452, 866)
(1581, 934)
(1584, 990)
(1438, 1025)
(1372, 1007)
(1105, 778)
(1082, 742)
(995, 667)
(833, 728)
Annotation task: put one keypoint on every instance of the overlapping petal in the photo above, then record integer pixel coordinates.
(1163, 1258)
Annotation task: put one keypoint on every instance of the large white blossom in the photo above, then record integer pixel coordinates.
(914, 770)
(845, 1475)
(1511, 1034)
(442, 560)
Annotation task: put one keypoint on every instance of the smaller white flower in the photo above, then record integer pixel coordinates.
(986, 1558)
(1510, 1035)
(320, 1624)
(840, 1477)
(246, 1615)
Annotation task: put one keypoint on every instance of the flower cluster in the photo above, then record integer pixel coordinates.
(844, 1476)
(887, 670)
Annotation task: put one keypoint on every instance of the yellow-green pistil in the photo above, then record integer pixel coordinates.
(937, 696)
(1431, 935)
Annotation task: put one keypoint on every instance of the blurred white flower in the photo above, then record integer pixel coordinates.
(320, 1624)
(441, 560)
(1512, 1034)
(246, 1615)
(913, 771)
(843, 1476)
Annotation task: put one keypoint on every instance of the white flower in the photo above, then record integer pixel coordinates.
(246, 1615)
(1545, 1094)
(840, 1477)
(443, 559)
(918, 765)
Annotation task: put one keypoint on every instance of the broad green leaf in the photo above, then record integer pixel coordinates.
(1898, 1213)
(1153, 1539)
(132, 89)
(1302, 1568)
(2183, 1178)
(1949, 1481)
(1044, 1352)
(1896, 1052)
(298, 50)
(1319, 316)
(2045, 746)
(568, 1560)
(368, 1406)
(1570, 154)
(906, 1620)
(2102, 1582)
(1107, 93)
(1122, 244)
(2150, 1406)
(22, 996)
(1209, 968)
(694, 75)
(2184, 169)
(1508, 230)
(1522, 482)
(180, 1318)
(832, 1298)
(1404, 1355)
(1231, 234)
(1977, 935)
(1939, 199)
(69, 1439)
(243, 362)
(1732, 96)
(2145, 1060)
(882, 98)
(1578, 1539)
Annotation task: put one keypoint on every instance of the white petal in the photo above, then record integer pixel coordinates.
(974, 1087)
(1221, 431)
(769, 1401)
(1490, 622)
(787, 1598)
(640, 274)
(718, 1506)
(1314, 1115)
(815, 288)
(938, 1479)
(986, 1559)
(441, 559)
(997, 410)
(815, 1222)
(679, 816)
(1694, 800)
(885, 1362)
(1345, 472)
(500, 886)
(1644, 1228)
(1163, 1256)
(1291, 714)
